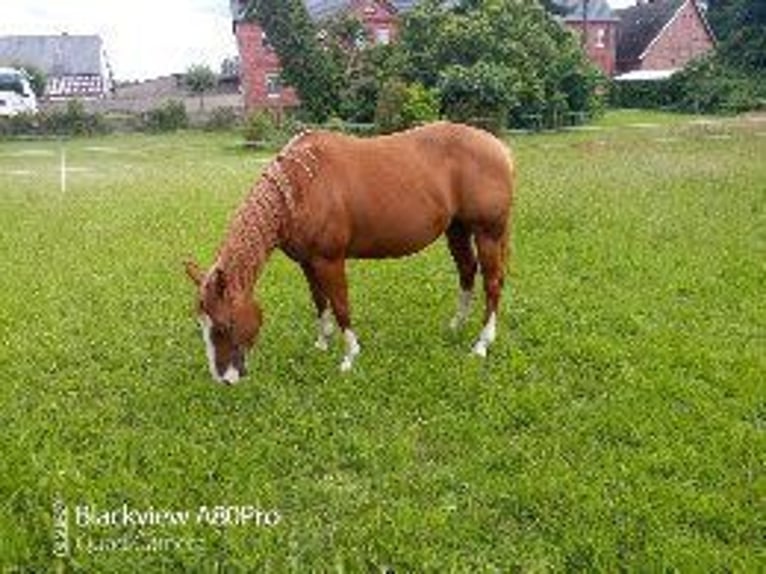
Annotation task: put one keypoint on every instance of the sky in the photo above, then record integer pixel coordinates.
(143, 38)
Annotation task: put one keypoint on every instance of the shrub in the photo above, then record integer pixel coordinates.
(480, 94)
(73, 120)
(261, 129)
(705, 86)
(222, 119)
(401, 106)
(171, 116)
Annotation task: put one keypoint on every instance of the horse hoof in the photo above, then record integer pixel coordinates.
(321, 345)
(346, 365)
(480, 349)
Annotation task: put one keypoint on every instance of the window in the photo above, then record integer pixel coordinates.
(382, 35)
(273, 85)
(600, 37)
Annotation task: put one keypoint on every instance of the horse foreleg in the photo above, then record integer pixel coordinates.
(491, 249)
(321, 303)
(331, 277)
(459, 242)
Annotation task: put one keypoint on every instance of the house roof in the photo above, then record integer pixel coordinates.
(63, 55)
(641, 24)
(321, 9)
(598, 11)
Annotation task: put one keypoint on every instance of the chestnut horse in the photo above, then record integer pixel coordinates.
(329, 197)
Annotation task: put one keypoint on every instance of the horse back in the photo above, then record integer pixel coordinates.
(393, 195)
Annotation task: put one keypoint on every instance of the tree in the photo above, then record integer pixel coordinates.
(37, 79)
(497, 59)
(740, 26)
(306, 65)
(199, 79)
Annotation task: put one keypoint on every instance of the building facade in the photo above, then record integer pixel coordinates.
(75, 66)
(662, 36)
(259, 63)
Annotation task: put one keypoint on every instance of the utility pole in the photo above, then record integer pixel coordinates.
(585, 9)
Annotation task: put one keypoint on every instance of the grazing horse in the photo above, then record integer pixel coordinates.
(329, 197)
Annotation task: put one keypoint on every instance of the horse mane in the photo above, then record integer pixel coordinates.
(267, 212)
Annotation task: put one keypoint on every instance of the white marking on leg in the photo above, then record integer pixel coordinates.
(324, 331)
(463, 310)
(207, 324)
(231, 376)
(486, 337)
(352, 350)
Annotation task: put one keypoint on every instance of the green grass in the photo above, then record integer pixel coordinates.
(618, 423)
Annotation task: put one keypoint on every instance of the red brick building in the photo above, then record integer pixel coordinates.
(662, 36)
(597, 27)
(259, 63)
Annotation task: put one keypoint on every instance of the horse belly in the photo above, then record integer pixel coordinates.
(398, 229)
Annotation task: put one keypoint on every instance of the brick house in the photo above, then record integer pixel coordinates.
(661, 36)
(597, 29)
(259, 63)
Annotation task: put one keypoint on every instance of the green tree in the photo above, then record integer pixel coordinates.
(200, 79)
(306, 65)
(498, 59)
(740, 26)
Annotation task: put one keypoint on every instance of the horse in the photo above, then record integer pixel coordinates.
(329, 197)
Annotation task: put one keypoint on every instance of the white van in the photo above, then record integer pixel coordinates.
(16, 94)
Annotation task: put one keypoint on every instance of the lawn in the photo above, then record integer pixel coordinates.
(617, 425)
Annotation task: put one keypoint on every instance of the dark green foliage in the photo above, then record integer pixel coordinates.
(740, 26)
(483, 93)
(305, 65)
(498, 59)
(649, 94)
(73, 120)
(171, 116)
(710, 86)
(401, 106)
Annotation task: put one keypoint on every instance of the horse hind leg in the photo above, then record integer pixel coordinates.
(459, 242)
(492, 249)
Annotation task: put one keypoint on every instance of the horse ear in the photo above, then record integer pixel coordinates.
(194, 272)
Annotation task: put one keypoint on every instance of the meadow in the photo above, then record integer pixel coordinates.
(617, 425)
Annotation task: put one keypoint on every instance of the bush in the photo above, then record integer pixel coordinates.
(171, 116)
(401, 106)
(710, 86)
(261, 129)
(481, 94)
(653, 94)
(222, 119)
(705, 86)
(74, 120)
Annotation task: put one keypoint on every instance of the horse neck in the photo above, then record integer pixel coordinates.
(253, 235)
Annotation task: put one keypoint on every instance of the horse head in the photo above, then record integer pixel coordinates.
(230, 321)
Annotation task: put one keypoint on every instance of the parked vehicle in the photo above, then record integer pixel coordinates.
(16, 94)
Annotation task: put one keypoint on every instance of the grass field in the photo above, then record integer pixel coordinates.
(618, 424)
